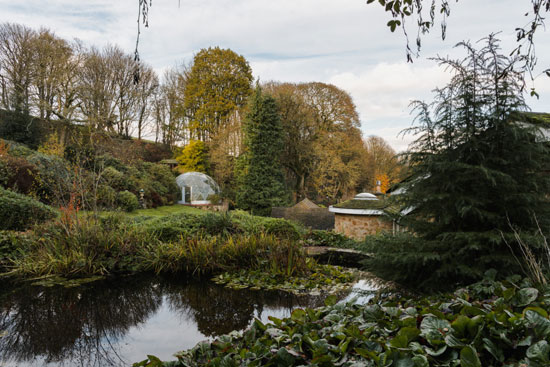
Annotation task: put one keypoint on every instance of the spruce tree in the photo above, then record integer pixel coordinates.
(262, 184)
(477, 172)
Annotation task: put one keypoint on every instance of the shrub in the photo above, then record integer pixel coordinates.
(4, 173)
(19, 212)
(424, 267)
(23, 176)
(282, 228)
(171, 228)
(106, 196)
(12, 245)
(127, 201)
(214, 224)
(84, 156)
(112, 177)
(54, 179)
(214, 199)
(330, 239)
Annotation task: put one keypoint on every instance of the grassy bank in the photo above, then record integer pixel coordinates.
(174, 239)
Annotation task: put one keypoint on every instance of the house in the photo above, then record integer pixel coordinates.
(362, 216)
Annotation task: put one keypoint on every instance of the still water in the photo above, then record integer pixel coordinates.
(115, 323)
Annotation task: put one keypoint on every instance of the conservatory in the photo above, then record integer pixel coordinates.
(196, 188)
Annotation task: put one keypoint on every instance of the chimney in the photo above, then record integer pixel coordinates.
(378, 187)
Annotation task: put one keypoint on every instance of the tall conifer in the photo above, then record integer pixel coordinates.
(263, 182)
(478, 174)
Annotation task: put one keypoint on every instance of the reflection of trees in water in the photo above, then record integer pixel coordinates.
(83, 325)
(73, 324)
(218, 310)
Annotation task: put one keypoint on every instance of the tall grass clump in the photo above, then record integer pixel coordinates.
(82, 247)
(207, 255)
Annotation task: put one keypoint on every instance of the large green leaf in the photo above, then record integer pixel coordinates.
(434, 330)
(525, 296)
(492, 348)
(420, 361)
(469, 358)
(404, 337)
(539, 352)
(540, 324)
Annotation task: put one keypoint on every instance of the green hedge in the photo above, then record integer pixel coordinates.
(19, 212)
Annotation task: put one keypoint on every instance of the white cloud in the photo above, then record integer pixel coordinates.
(344, 42)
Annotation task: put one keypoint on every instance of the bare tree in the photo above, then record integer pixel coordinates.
(16, 58)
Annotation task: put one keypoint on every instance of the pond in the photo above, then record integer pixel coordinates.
(117, 322)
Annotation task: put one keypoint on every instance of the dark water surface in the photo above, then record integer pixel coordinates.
(118, 322)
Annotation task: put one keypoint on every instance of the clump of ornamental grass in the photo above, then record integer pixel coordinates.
(74, 247)
(206, 255)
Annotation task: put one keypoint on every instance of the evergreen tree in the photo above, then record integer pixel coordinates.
(262, 182)
(19, 126)
(477, 171)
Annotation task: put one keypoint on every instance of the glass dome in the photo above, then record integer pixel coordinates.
(196, 187)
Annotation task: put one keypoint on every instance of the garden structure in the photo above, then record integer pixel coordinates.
(361, 216)
(196, 188)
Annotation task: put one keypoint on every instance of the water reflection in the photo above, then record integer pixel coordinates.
(95, 324)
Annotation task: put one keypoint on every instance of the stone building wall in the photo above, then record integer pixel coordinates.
(359, 226)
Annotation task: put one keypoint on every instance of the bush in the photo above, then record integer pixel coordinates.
(214, 224)
(330, 239)
(423, 266)
(19, 212)
(12, 245)
(214, 199)
(255, 224)
(282, 228)
(22, 176)
(106, 196)
(112, 177)
(4, 173)
(127, 201)
(54, 180)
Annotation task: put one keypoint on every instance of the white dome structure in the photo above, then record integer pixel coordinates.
(365, 196)
(196, 187)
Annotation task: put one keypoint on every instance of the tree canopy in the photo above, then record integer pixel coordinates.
(218, 83)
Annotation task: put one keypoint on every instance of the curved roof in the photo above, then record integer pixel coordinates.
(201, 185)
(362, 204)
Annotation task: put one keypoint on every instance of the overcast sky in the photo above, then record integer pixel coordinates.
(343, 42)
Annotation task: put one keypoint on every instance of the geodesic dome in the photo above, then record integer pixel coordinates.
(196, 187)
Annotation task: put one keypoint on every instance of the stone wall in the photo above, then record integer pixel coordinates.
(359, 226)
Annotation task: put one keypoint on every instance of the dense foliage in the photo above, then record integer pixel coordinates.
(196, 243)
(218, 83)
(262, 184)
(477, 175)
(486, 324)
(90, 180)
(19, 212)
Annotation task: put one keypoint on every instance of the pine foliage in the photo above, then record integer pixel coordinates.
(262, 182)
(476, 172)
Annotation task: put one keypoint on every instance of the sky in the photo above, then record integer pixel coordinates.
(342, 42)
